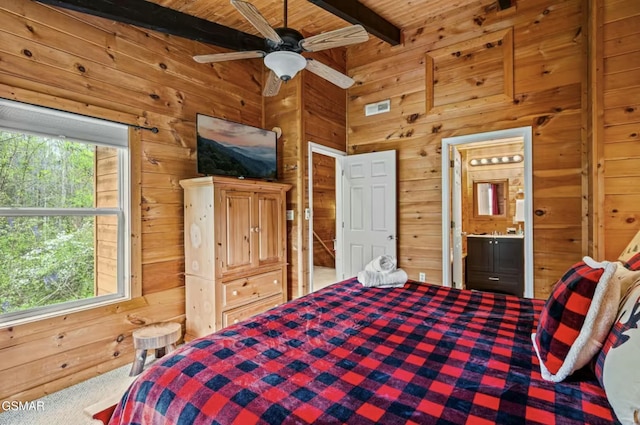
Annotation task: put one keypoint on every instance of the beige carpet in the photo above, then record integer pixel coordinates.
(66, 407)
(323, 277)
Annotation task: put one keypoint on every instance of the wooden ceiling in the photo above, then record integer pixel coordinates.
(218, 22)
(310, 19)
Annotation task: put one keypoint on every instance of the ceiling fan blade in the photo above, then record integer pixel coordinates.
(253, 15)
(337, 38)
(271, 85)
(329, 74)
(231, 56)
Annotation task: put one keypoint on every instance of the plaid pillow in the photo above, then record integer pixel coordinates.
(616, 366)
(576, 318)
(633, 263)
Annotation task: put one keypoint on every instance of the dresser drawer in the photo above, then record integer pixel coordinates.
(242, 291)
(238, 314)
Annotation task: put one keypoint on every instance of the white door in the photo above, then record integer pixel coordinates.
(456, 218)
(369, 209)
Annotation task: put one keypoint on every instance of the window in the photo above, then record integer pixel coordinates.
(64, 208)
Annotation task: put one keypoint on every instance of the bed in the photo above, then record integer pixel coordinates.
(420, 354)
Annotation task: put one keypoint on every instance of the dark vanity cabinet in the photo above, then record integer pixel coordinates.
(495, 264)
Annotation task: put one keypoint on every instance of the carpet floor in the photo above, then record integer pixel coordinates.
(66, 407)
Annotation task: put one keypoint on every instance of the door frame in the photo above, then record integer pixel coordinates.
(338, 156)
(447, 143)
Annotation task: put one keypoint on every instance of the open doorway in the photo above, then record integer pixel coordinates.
(323, 220)
(454, 151)
(365, 210)
(324, 201)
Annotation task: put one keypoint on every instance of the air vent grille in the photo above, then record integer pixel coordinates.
(377, 108)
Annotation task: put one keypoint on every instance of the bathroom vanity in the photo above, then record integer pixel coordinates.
(495, 263)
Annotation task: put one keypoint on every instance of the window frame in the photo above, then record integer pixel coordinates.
(122, 212)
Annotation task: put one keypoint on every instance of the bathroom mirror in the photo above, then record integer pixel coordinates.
(490, 198)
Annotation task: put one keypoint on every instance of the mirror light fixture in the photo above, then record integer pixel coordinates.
(496, 160)
(285, 64)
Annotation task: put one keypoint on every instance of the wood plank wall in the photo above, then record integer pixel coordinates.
(285, 111)
(307, 109)
(324, 123)
(74, 62)
(549, 72)
(621, 120)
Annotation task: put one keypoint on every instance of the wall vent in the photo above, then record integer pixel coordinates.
(377, 108)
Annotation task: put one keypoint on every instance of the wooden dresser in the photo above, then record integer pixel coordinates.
(495, 264)
(235, 250)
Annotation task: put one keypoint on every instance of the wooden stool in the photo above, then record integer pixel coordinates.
(158, 336)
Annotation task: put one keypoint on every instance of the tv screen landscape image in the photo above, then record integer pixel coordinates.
(231, 149)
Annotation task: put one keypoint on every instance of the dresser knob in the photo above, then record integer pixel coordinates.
(235, 321)
(275, 281)
(234, 293)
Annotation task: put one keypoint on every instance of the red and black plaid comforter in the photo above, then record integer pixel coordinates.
(347, 354)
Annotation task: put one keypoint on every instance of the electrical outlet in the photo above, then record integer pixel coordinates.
(422, 277)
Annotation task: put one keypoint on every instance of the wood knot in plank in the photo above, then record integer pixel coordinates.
(543, 120)
(27, 53)
(154, 96)
(436, 129)
(540, 213)
(479, 20)
(412, 118)
(407, 133)
(630, 220)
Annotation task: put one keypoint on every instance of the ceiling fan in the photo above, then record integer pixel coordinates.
(283, 48)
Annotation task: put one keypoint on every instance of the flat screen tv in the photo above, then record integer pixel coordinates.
(228, 148)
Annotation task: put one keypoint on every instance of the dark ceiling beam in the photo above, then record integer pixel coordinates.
(149, 15)
(356, 13)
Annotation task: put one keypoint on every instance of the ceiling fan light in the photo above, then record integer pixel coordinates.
(285, 64)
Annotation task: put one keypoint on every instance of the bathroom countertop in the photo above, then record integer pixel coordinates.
(495, 236)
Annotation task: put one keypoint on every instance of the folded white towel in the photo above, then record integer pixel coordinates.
(382, 264)
(393, 279)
